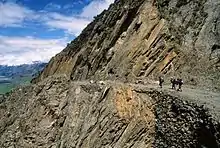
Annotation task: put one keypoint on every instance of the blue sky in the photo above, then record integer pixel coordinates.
(36, 30)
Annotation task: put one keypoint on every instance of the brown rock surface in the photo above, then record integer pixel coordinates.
(133, 41)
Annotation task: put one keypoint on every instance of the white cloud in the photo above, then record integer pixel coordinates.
(18, 50)
(95, 7)
(72, 25)
(75, 24)
(52, 7)
(12, 14)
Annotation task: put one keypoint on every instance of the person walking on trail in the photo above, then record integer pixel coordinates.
(180, 83)
(161, 80)
(173, 82)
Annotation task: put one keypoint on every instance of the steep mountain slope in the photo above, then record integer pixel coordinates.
(144, 39)
(67, 106)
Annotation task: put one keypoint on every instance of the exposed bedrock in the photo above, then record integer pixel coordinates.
(60, 113)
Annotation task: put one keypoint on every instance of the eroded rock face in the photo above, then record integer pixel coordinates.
(132, 40)
(60, 113)
(146, 38)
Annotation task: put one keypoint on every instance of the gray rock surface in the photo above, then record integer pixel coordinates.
(76, 101)
(60, 113)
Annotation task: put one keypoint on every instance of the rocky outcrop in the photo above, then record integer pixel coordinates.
(60, 113)
(146, 38)
(134, 40)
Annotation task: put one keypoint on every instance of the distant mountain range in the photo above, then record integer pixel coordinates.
(12, 76)
(21, 70)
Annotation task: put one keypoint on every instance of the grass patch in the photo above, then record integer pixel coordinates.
(7, 87)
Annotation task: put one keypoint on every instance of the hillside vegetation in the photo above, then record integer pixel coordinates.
(13, 76)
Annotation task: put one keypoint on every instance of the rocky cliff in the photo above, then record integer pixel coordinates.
(138, 39)
(68, 106)
(59, 113)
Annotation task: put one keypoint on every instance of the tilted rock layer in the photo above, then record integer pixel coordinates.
(67, 106)
(60, 113)
(146, 38)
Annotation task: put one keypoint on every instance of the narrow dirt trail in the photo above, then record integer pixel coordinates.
(211, 100)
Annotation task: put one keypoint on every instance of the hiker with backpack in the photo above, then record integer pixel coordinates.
(161, 80)
(180, 83)
(173, 83)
